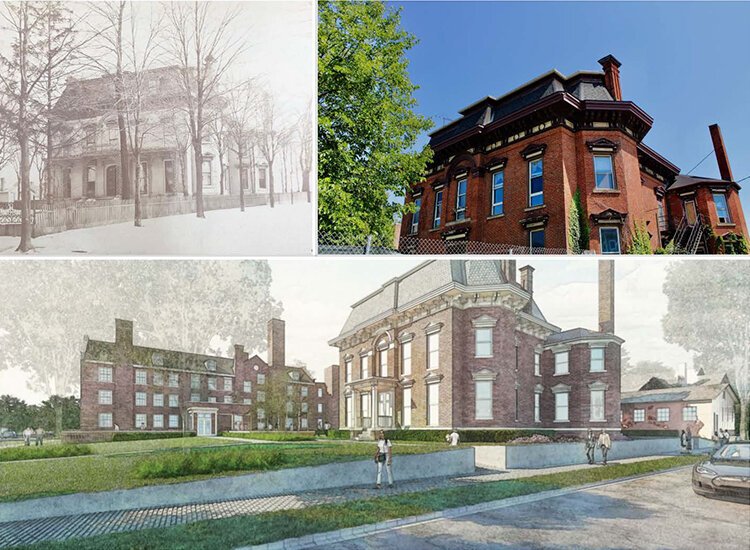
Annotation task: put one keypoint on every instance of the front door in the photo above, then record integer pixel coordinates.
(111, 180)
(204, 424)
(690, 211)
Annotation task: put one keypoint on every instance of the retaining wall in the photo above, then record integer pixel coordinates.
(277, 482)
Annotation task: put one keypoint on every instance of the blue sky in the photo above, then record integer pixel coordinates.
(684, 63)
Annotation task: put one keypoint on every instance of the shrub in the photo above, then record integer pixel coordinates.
(185, 463)
(139, 436)
(466, 436)
(651, 433)
(273, 436)
(641, 242)
(339, 434)
(51, 451)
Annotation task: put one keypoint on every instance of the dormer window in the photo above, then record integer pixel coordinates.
(157, 359)
(211, 365)
(294, 375)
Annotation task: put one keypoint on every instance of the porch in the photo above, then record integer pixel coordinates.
(373, 404)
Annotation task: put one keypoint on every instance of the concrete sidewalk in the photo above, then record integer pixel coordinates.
(28, 531)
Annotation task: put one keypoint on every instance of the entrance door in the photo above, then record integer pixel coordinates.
(204, 424)
(111, 180)
(690, 211)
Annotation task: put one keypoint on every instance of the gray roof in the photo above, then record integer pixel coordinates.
(427, 278)
(584, 85)
(682, 181)
(576, 334)
(692, 392)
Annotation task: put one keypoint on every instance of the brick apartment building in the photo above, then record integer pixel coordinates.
(704, 406)
(463, 344)
(507, 171)
(136, 387)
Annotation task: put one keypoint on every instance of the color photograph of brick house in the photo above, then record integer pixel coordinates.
(705, 406)
(130, 387)
(529, 168)
(462, 344)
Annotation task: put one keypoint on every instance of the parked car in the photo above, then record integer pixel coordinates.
(725, 474)
(8, 434)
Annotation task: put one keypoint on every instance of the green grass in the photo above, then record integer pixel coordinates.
(269, 527)
(181, 464)
(273, 436)
(115, 465)
(52, 451)
(119, 447)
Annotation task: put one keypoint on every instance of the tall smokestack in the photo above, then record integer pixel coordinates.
(722, 159)
(611, 68)
(276, 336)
(527, 278)
(607, 296)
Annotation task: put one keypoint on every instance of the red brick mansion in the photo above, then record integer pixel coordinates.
(130, 387)
(559, 153)
(463, 344)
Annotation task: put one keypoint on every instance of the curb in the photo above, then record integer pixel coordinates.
(350, 533)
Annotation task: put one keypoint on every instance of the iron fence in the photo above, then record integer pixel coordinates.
(367, 244)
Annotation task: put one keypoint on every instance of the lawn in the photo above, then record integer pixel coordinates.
(274, 526)
(116, 465)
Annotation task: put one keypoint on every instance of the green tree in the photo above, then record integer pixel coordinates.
(367, 128)
(641, 241)
(58, 413)
(709, 313)
(578, 226)
(15, 414)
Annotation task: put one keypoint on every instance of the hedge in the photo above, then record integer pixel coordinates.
(339, 434)
(138, 436)
(651, 433)
(466, 436)
(178, 464)
(273, 436)
(51, 451)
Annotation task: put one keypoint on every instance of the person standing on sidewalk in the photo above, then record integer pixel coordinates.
(688, 440)
(605, 444)
(384, 457)
(590, 446)
(453, 438)
(27, 436)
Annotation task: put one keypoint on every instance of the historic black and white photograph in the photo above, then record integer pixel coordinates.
(156, 128)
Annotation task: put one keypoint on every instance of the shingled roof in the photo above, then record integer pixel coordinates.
(684, 181)
(702, 390)
(579, 334)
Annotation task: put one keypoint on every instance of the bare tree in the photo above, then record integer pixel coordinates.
(305, 135)
(239, 116)
(141, 53)
(204, 52)
(22, 75)
(218, 133)
(271, 138)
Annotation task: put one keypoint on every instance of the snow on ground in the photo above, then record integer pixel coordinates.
(286, 230)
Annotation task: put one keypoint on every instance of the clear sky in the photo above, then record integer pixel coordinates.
(685, 63)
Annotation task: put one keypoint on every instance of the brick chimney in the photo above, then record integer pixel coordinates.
(722, 159)
(123, 332)
(276, 336)
(607, 296)
(611, 67)
(239, 352)
(527, 278)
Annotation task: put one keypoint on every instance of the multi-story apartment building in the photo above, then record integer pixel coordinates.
(463, 344)
(85, 157)
(508, 172)
(130, 387)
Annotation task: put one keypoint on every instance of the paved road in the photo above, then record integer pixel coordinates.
(659, 511)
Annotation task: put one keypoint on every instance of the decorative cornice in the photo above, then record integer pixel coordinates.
(535, 221)
(432, 328)
(533, 151)
(602, 145)
(405, 337)
(485, 321)
(432, 378)
(538, 388)
(598, 385)
(496, 164)
(609, 216)
(560, 388)
(417, 191)
(484, 375)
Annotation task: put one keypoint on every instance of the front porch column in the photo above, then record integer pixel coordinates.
(375, 411)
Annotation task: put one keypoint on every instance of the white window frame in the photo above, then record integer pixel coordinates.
(601, 239)
(158, 420)
(261, 379)
(157, 399)
(348, 411)
(304, 391)
(383, 361)
(728, 219)
(212, 383)
(538, 193)
(597, 362)
(141, 399)
(364, 366)
(537, 363)
(433, 404)
(483, 405)
(562, 407)
(158, 378)
(559, 363)
(690, 413)
(141, 377)
(495, 187)
(195, 381)
(195, 397)
(105, 420)
(433, 350)
(639, 415)
(597, 414)
(461, 212)
(537, 407)
(320, 408)
(228, 384)
(347, 370)
(406, 358)
(320, 393)
(174, 420)
(437, 212)
(260, 396)
(174, 400)
(662, 414)
(105, 374)
(143, 417)
(173, 380)
(488, 342)
(247, 386)
(105, 397)
(406, 420)
(611, 172)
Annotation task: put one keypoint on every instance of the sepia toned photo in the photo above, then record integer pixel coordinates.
(147, 128)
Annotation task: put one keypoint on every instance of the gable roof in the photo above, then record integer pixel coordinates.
(684, 181)
(690, 393)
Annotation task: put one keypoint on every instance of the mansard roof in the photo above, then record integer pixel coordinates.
(579, 333)
(427, 279)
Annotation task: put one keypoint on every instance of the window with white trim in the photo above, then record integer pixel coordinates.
(722, 208)
(195, 397)
(497, 193)
(140, 399)
(320, 393)
(483, 399)
(407, 407)
(158, 420)
(438, 212)
(662, 414)
(304, 406)
(105, 374)
(536, 182)
(105, 397)
(195, 381)
(158, 399)
(537, 363)
(158, 378)
(561, 406)
(639, 415)
(174, 420)
(414, 228)
(228, 399)
(304, 391)
(597, 359)
(140, 377)
(561, 362)
(173, 380)
(690, 414)
(537, 407)
(320, 408)
(433, 404)
(406, 358)
(348, 411)
(383, 361)
(347, 370)
(211, 383)
(483, 342)
(140, 420)
(105, 420)
(609, 237)
(461, 199)
(228, 384)
(604, 174)
(364, 361)
(433, 350)
(597, 405)
(261, 379)
(174, 400)
(247, 386)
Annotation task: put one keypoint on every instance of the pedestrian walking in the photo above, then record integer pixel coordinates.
(683, 440)
(605, 444)
(453, 438)
(27, 433)
(384, 458)
(39, 437)
(590, 446)
(688, 440)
